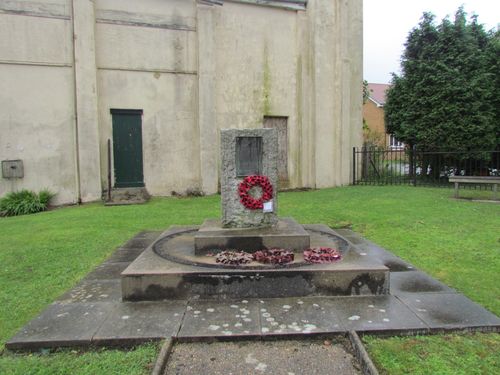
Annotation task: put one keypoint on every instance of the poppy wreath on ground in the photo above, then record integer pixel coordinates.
(274, 256)
(244, 191)
(321, 255)
(234, 258)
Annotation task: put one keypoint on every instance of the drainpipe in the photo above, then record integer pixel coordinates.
(76, 142)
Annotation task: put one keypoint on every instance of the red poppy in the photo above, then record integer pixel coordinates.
(274, 256)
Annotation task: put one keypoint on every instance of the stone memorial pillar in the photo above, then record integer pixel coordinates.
(249, 186)
(249, 177)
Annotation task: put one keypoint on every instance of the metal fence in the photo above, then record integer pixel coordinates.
(410, 166)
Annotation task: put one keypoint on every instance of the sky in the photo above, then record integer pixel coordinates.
(388, 22)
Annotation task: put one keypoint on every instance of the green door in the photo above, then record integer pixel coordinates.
(127, 147)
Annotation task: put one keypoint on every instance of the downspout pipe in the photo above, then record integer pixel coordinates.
(76, 140)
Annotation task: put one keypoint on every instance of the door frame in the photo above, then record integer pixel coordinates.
(133, 112)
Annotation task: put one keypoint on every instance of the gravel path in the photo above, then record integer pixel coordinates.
(289, 357)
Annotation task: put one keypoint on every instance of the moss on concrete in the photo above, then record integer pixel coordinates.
(266, 84)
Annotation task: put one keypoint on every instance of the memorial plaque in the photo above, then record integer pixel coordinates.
(248, 156)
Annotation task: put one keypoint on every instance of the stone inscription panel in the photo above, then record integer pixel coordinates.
(248, 156)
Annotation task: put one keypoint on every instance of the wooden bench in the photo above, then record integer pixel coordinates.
(476, 180)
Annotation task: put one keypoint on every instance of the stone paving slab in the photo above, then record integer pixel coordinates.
(107, 271)
(444, 311)
(131, 323)
(142, 239)
(284, 316)
(382, 314)
(94, 291)
(370, 249)
(125, 254)
(238, 318)
(416, 282)
(72, 324)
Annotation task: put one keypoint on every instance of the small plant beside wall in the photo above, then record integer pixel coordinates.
(24, 202)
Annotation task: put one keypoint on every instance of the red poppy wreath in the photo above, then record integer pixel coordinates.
(244, 191)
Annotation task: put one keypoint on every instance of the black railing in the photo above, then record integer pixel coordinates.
(411, 166)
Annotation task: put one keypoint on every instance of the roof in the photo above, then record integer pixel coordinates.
(377, 92)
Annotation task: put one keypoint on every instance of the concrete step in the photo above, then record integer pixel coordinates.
(124, 196)
(170, 269)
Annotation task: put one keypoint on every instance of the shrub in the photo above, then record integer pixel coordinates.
(24, 202)
(45, 196)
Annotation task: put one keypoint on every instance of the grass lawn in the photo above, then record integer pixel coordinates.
(458, 242)
(137, 361)
(452, 354)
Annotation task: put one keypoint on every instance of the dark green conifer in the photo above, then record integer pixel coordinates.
(447, 96)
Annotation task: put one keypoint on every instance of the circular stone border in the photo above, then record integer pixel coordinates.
(343, 247)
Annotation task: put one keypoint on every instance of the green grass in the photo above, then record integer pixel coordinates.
(43, 255)
(444, 355)
(110, 362)
(475, 194)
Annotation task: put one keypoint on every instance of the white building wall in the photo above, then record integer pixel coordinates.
(256, 70)
(37, 96)
(146, 59)
(193, 69)
(87, 125)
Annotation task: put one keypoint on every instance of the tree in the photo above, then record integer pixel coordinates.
(447, 96)
(366, 91)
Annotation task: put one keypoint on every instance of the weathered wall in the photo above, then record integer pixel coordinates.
(310, 71)
(336, 72)
(353, 109)
(193, 69)
(87, 126)
(247, 42)
(37, 96)
(146, 59)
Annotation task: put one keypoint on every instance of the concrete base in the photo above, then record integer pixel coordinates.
(287, 234)
(154, 277)
(93, 314)
(125, 196)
